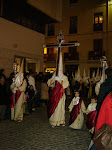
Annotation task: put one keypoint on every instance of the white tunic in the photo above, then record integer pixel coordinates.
(78, 123)
(58, 117)
(91, 107)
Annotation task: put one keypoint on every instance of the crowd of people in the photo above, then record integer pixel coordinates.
(21, 94)
(36, 91)
(99, 120)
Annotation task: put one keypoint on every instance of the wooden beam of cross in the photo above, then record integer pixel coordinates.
(58, 46)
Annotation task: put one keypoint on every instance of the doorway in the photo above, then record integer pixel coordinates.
(29, 64)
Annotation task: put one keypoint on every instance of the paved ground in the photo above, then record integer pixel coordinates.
(35, 133)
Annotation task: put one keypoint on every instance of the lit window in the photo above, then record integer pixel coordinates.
(45, 50)
(100, 19)
(96, 20)
(51, 70)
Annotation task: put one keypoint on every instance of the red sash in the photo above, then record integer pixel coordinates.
(75, 112)
(91, 117)
(55, 96)
(17, 95)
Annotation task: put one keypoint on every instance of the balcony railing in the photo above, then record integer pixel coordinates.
(94, 55)
(50, 57)
(67, 57)
(98, 27)
(70, 57)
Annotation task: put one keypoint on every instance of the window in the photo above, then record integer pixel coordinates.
(51, 70)
(45, 51)
(73, 25)
(72, 54)
(73, 1)
(49, 54)
(97, 52)
(98, 46)
(50, 29)
(73, 50)
(71, 69)
(98, 21)
(51, 50)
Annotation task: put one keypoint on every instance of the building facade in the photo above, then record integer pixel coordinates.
(22, 30)
(86, 22)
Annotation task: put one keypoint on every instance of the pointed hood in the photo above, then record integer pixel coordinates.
(84, 76)
(72, 75)
(93, 77)
(60, 72)
(60, 75)
(78, 72)
(77, 76)
(88, 74)
(97, 78)
(84, 73)
(19, 76)
(97, 74)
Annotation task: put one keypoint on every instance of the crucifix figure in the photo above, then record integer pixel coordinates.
(58, 47)
(58, 83)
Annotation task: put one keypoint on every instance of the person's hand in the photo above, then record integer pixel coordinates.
(14, 90)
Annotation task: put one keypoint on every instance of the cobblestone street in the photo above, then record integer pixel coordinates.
(35, 133)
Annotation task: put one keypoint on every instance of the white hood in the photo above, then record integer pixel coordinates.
(19, 76)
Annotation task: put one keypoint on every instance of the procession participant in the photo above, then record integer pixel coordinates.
(18, 88)
(56, 103)
(59, 82)
(76, 109)
(91, 114)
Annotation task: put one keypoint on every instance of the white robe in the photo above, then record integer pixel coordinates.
(17, 112)
(78, 123)
(91, 107)
(58, 117)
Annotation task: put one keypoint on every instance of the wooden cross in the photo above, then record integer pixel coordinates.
(58, 46)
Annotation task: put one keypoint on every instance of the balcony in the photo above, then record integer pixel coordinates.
(94, 55)
(50, 57)
(98, 27)
(70, 57)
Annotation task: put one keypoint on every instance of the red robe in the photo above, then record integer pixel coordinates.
(17, 95)
(75, 112)
(91, 117)
(55, 96)
(105, 113)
